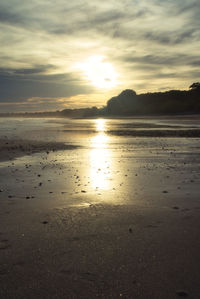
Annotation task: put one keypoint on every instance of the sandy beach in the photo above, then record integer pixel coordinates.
(12, 149)
(98, 216)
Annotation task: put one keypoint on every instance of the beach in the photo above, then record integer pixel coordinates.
(99, 208)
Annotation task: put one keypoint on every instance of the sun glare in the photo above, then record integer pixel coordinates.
(100, 159)
(100, 125)
(100, 73)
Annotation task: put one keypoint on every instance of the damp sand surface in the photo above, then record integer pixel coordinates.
(12, 149)
(95, 215)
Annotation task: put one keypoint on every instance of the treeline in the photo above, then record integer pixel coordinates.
(169, 102)
(128, 103)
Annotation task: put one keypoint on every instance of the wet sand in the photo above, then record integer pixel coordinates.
(12, 148)
(99, 251)
(158, 133)
(75, 226)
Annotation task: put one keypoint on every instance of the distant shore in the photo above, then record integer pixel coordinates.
(53, 115)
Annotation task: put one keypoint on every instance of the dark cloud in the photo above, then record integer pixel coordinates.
(35, 70)
(179, 7)
(156, 62)
(19, 85)
(65, 19)
(10, 18)
(169, 38)
(18, 13)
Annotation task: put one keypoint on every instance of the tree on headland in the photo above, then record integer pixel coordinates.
(195, 86)
(168, 102)
(124, 103)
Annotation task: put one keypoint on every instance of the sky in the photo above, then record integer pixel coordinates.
(58, 54)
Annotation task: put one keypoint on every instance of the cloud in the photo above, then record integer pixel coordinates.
(162, 60)
(151, 43)
(18, 85)
(34, 70)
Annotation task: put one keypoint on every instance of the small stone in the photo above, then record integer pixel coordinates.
(130, 230)
(175, 208)
(45, 222)
(182, 293)
(165, 191)
(83, 191)
(27, 197)
(1, 190)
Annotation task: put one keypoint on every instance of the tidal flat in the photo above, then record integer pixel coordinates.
(100, 208)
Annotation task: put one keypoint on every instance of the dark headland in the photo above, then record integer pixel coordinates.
(128, 103)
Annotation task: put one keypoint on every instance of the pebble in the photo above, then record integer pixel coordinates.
(182, 293)
(45, 222)
(175, 208)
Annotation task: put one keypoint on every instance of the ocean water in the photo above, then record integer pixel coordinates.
(65, 129)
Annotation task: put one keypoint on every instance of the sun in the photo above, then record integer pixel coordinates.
(99, 72)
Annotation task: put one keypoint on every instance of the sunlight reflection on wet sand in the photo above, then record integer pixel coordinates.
(100, 158)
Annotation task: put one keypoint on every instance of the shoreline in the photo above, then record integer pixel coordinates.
(142, 116)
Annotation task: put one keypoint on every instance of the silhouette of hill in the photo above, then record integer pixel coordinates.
(169, 102)
(128, 103)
